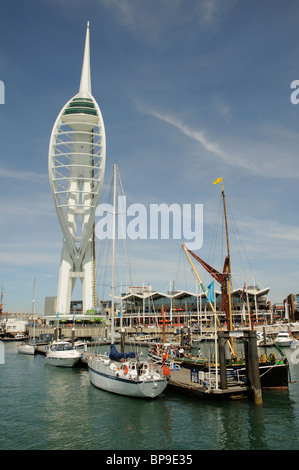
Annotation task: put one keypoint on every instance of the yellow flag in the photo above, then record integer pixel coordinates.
(218, 180)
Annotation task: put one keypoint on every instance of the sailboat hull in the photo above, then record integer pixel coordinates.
(112, 380)
(28, 349)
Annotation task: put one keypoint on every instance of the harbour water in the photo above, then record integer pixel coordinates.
(46, 408)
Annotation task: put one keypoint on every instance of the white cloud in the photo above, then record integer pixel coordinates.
(20, 209)
(259, 150)
(200, 136)
(30, 256)
(222, 107)
(22, 175)
(211, 12)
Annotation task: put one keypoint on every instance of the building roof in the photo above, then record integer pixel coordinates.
(183, 294)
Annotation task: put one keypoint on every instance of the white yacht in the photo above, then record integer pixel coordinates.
(29, 347)
(62, 354)
(131, 378)
(283, 339)
(26, 347)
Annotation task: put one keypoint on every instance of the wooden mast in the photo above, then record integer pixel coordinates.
(230, 326)
(228, 268)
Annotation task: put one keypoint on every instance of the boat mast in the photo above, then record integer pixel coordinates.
(113, 253)
(230, 326)
(33, 310)
(163, 324)
(1, 301)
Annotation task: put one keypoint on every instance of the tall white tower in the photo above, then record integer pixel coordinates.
(77, 155)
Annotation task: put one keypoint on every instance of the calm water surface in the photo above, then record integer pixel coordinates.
(46, 408)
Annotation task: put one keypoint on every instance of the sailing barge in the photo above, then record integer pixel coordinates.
(274, 374)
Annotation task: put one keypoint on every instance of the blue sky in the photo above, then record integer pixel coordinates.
(190, 90)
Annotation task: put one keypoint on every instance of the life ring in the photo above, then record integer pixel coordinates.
(126, 369)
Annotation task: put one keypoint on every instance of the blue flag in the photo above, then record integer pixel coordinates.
(211, 293)
(57, 315)
(120, 314)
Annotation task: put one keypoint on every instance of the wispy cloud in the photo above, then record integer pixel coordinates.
(271, 229)
(123, 10)
(259, 153)
(155, 17)
(211, 12)
(222, 107)
(199, 135)
(36, 208)
(29, 254)
(22, 175)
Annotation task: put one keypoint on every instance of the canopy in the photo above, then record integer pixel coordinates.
(116, 356)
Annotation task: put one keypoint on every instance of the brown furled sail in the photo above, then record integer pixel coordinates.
(222, 279)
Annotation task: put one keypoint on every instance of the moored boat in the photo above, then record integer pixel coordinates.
(123, 373)
(62, 354)
(26, 347)
(284, 339)
(131, 378)
(17, 337)
(274, 372)
(29, 347)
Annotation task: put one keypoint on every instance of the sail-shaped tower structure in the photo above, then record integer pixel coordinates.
(77, 154)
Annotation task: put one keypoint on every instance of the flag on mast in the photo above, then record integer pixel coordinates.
(218, 180)
(211, 292)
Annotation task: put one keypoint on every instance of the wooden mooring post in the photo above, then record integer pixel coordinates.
(251, 360)
(122, 340)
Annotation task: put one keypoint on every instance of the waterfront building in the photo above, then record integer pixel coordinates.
(144, 306)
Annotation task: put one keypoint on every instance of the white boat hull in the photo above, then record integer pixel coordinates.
(113, 380)
(26, 349)
(59, 361)
(284, 343)
(284, 340)
(62, 354)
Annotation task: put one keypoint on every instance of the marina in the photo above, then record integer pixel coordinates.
(201, 359)
(95, 419)
(194, 376)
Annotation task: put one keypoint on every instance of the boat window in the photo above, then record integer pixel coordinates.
(62, 347)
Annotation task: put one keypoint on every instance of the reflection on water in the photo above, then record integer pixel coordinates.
(44, 407)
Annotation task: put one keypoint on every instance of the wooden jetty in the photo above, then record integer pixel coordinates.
(180, 381)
